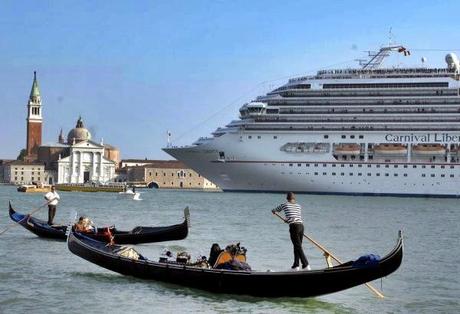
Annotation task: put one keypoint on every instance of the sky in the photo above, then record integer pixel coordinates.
(136, 69)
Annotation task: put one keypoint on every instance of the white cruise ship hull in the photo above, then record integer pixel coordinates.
(250, 167)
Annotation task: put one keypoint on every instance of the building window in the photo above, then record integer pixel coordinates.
(326, 136)
(343, 136)
(275, 137)
(423, 175)
(361, 136)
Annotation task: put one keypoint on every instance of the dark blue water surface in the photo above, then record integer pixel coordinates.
(42, 276)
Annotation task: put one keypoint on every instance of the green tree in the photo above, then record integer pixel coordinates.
(22, 154)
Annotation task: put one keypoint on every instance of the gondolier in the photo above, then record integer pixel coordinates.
(293, 214)
(53, 198)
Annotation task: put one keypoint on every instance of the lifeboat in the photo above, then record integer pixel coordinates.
(429, 149)
(347, 149)
(390, 149)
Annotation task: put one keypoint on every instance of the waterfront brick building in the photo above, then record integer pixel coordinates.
(164, 174)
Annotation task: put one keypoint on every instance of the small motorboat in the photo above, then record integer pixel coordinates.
(137, 235)
(128, 192)
(127, 261)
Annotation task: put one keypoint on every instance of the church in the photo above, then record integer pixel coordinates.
(78, 159)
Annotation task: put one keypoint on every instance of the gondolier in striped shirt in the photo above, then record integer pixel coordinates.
(293, 216)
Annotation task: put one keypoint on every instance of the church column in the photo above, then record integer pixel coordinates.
(93, 167)
(72, 159)
(80, 172)
(100, 168)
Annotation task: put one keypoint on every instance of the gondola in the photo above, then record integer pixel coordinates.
(137, 235)
(256, 283)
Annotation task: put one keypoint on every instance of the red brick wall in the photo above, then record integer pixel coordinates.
(34, 138)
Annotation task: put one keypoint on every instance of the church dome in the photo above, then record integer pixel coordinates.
(79, 133)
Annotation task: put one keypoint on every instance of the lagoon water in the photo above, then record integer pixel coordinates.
(42, 276)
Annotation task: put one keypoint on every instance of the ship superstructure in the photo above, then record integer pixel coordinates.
(371, 130)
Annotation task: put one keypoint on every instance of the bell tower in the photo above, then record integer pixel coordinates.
(34, 122)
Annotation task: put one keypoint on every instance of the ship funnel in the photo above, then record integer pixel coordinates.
(452, 62)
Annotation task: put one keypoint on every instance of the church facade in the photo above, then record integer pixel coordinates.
(85, 163)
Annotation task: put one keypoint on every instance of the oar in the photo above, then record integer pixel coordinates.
(25, 217)
(322, 248)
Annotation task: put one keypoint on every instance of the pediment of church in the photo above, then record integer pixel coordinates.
(87, 144)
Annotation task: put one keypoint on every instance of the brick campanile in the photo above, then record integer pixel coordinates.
(34, 122)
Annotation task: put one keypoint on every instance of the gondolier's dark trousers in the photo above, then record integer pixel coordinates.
(296, 231)
(51, 213)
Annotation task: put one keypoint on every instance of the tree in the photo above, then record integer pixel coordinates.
(22, 154)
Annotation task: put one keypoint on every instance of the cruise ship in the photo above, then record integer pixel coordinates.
(368, 130)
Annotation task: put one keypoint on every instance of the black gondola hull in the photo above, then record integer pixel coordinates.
(261, 284)
(135, 236)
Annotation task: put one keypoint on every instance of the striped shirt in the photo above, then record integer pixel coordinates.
(292, 212)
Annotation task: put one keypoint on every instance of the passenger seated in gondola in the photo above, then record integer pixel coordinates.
(85, 225)
(214, 254)
(232, 258)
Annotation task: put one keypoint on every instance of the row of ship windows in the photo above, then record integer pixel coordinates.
(325, 136)
(423, 175)
(387, 85)
(370, 166)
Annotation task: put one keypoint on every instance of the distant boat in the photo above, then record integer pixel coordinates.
(256, 283)
(127, 192)
(34, 188)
